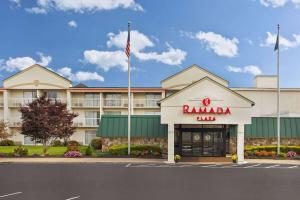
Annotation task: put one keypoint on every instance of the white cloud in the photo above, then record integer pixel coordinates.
(221, 45)
(82, 6)
(139, 42)
(106, 59)
(72, 24)
(20, 63)
(279, 3)
(250, 69)
(36, 10)
(80, 75)
(270, 41)
(170, 57)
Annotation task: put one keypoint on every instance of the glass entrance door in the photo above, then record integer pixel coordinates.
(203, 143)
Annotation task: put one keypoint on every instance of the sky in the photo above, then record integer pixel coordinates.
(84, 40)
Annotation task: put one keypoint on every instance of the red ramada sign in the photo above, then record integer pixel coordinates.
(208, 111)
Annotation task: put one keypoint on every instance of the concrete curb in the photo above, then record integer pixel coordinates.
(132, 160)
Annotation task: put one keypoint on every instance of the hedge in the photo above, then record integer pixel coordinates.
(123, 149)
(283, 149)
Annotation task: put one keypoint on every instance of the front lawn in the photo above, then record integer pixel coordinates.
(38, 150)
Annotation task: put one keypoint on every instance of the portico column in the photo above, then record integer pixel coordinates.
(171, 143)
(5, 106)
(69, 100)
(240, 144)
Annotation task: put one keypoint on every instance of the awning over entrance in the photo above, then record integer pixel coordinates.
(141, 126)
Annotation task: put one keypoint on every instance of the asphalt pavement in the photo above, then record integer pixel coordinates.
(130, 181)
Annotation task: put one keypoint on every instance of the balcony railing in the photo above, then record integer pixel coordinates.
(86, 122)
(137, 103)
(88, 103)
(145, 103)
(115, 103)
(17, 102)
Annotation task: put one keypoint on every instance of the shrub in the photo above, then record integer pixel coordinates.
(7, 143)
(102, 154)
(72, 154)
(283, 149)
(20, 151)
(136, 150)
(73, 145)
(96, 143)
(291, 154)
(56, 143)
(88, 151)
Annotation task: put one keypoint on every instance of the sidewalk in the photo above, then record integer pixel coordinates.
(131, 160)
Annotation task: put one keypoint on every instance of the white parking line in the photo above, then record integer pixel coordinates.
(251, 166)
(7, 195)
(293, 166)
(229, 166)
(73, 198)
(128, 165)
(209, 166)
(272, 166)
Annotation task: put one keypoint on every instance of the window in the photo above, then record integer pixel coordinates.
(89, 136)
(52, 94)
(92, 118)
(91, 99)
(29, 96)
(112, 113)
(27, 141)
(152, 99)
(113, 100)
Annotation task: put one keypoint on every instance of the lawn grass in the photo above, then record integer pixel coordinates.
(38, 150)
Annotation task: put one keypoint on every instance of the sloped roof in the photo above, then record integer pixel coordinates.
(207, 78)
(36, 65)
(194, 65)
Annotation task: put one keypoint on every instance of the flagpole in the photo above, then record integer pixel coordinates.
(129, 98)
(278, 94)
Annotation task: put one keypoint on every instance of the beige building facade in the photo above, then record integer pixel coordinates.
(196, 105)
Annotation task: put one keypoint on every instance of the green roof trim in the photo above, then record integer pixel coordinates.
(141, 126)
(266, 127)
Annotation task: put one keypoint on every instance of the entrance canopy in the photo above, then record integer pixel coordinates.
(206, 101)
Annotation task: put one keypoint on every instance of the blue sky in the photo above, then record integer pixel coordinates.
(84, 41)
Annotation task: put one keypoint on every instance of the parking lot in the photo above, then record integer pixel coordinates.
(148, 181)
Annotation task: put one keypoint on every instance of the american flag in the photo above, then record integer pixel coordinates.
(127, 49)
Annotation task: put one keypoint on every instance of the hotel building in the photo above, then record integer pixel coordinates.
(193, 113)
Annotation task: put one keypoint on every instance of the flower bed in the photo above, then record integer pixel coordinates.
(286, 152)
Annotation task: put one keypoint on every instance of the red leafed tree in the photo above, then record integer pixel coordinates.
(44, 119)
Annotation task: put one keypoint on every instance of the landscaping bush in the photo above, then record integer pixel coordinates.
(72, 154)
(56, 143)
(136, 150)
(283, 149)
(88, 151)
(96, 143)
(291, 154)
(20, 151)
(73, 145)
(7, 143)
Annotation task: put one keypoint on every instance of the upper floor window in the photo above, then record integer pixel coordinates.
(29, 96)
(113, 100)
(92, 99)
